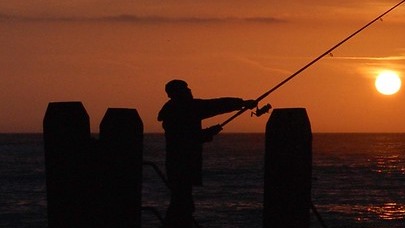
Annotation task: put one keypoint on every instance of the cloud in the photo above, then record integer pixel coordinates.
(370, 58)
(191, 20)
(145, 19)
(369, 66)
(261, 63)
(18, 18)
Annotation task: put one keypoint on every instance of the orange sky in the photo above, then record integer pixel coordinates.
(121, 53)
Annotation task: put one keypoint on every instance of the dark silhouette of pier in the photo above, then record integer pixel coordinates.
(97, 182)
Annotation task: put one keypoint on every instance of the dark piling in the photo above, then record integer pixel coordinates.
(93, 183)
(66, 131)
(121, 139)
(288, 169)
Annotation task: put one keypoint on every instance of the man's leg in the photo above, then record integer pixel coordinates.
(181, 208)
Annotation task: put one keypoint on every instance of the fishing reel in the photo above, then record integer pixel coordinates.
(261, 111)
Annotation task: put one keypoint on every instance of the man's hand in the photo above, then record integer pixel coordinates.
(208, 133)
(250, 104)
(214, 130)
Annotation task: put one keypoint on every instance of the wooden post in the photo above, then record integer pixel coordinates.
(288, 169)
(66, 132)
(121, 145)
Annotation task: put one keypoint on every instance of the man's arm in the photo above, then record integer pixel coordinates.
(213, 107)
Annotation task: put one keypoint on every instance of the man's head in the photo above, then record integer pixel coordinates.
(178, 90)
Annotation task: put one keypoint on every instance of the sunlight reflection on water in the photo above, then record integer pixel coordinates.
(388, 164)
(386, 211)
(389, 211)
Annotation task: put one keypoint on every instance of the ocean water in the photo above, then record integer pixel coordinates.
(358, 181)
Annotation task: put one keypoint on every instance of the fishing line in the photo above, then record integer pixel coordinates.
(329, 51)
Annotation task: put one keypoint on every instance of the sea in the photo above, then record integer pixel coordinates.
(358, 181)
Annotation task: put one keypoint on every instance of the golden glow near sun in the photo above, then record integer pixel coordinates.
(388, 82)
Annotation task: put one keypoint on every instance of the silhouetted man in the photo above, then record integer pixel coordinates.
(182, 116)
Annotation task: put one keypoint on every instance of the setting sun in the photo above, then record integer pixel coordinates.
(388, 82)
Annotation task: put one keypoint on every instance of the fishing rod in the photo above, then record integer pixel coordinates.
(310, 63)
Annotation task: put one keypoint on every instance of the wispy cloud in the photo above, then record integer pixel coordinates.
(262, 65)
(145, 19)
(369, 66)
(370, 58)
